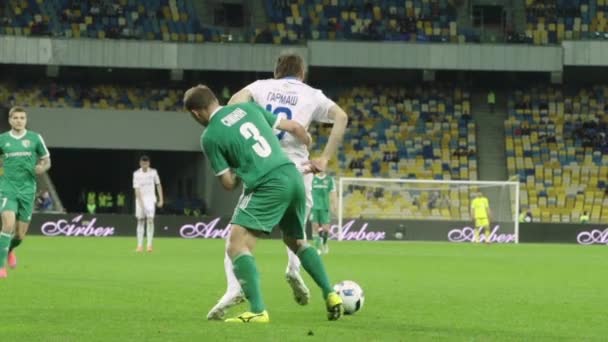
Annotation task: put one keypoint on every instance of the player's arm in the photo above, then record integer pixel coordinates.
(242, 96)
(159, 191)
(333, 197)
(340, 119)
(230, 181)
(44, 161)
(138, 196)
(295, 129)
(220, 166)
(291, 126)
(43, 165)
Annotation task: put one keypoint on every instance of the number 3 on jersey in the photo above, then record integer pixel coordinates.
(261, 147)
(281, 112)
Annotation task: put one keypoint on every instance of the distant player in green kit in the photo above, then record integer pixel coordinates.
(24, 155)
(323, 199)
(240, 145)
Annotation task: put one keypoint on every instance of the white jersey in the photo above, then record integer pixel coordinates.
(292, 99)
(146, 182)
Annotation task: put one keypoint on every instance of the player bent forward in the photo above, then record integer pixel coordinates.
(241, 138)
(24, 155)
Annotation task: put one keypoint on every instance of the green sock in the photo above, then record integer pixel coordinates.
(317, 241)
(14, 244)
(5, 241)
(324, 236)
(247, 274)
(314, 266)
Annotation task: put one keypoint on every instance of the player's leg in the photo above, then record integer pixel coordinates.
(233, 295)
(149, 233)
(486, 228)
(9, 208)
(150, 213)
(301, 293)
(240, 250)
(324, 220)
(316, 228)
(476, 229)
(141, 223)
(25, 207)
(294, 236)
(250, 219)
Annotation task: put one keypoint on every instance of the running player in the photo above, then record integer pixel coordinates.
(323, 198)
(24, 155)
(240, 145)
(287, 96)
(481, 213)
(145, 180)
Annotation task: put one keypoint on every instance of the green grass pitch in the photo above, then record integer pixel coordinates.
(84, 289)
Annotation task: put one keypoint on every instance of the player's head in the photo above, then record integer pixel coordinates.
(290, 64)
(17, 118)
(200, 102)
(144, 162)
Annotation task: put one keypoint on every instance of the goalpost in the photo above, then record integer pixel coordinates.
(416, 209)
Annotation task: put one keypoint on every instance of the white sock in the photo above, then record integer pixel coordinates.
(233, 284)
(140, 233)
(150, 231)
(293, 262)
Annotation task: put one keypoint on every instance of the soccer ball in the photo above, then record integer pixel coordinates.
(352, 296)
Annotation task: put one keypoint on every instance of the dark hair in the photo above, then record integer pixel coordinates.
(198, 98)
(289, 64)
(144, 158)
(16, 109)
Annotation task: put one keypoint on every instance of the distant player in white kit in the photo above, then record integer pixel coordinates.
(286, 95)
(146, 184)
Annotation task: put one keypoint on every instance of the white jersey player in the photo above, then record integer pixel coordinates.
(288, 96)
(146, 183)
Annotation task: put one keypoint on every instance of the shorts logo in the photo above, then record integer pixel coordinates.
(25, 143)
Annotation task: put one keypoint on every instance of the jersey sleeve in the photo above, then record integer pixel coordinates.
(254, 89)
(41, 149)
(156, 178)
(324, 104)
(214, 155)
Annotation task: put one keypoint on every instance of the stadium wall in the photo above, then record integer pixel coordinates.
(116, 129)
(106, 225)
(260, 57)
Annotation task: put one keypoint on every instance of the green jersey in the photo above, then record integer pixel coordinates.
(241, 138)
(20, 156)
(321, 188)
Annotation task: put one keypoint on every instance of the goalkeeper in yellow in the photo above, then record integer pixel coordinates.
(481, 214)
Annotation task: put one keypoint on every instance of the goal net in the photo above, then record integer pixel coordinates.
(439, 210)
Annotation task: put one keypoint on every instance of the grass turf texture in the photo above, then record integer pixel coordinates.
(79, 289)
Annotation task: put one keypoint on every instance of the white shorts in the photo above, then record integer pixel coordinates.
(148, 210)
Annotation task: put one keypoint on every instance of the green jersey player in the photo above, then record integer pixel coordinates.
(24, 155)
(323, 199)
(240, 145)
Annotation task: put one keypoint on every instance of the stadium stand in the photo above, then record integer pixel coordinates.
(556, 143)
(102, 96)
(411, 20)
(167, 20)
(551, 22)
(423, 132)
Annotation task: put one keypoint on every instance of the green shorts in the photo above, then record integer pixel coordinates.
(320, 216)
(22, 205)
(279, 199)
